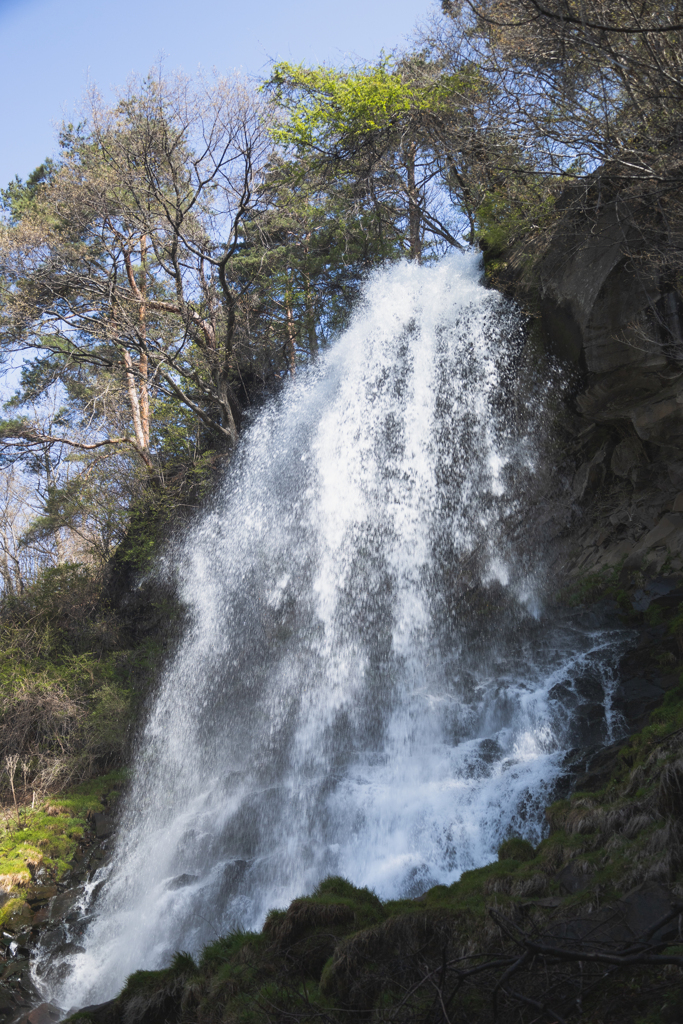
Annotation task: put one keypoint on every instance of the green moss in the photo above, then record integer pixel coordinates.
(15, 915)
(91, 795)
(334, 904)
(654, 615)
(336, 887)
(50, 834)
(597, 585)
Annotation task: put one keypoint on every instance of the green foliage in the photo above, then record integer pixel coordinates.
(338, 888)
(15, 914)
(157, 506)
(182, 963)
(510, 212)
(71, 679)
(144, 983)
(326, 104)
(376, 137)
(19, 199)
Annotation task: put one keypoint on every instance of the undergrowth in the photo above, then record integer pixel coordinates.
(72, 679)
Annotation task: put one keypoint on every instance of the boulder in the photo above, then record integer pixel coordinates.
(590, 476)
(627, 456)
(667, 525)
(64, 903)
(651, 402)
(181, 881)
(661, 418)
(104, 825)
(666, 534)
(571, 881)
(598, 767)
(98, 1013)
(19, 917)
(45, 1013)
(40, 895)
(615, 553)
(633, 919)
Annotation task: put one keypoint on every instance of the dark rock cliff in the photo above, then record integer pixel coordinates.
(616, 324)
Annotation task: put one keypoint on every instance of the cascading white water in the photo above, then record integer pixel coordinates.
(338, 703)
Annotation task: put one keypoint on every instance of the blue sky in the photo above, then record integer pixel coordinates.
(51, 47)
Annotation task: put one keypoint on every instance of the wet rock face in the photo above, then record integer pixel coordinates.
(620, 323)
(597, 307)
(618, 491)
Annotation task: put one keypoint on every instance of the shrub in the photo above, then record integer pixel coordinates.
(516, 849)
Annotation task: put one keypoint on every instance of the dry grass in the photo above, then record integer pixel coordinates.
(54, 735)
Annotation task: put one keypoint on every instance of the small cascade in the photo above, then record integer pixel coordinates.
(366, 685)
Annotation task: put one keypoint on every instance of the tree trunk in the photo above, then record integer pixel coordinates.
(290, 352)
(413, 206)
(310, 315)
(135, 410)
(143, 363)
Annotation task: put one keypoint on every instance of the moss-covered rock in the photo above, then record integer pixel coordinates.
(15, 916)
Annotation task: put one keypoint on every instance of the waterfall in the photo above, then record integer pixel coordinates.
(366, 684)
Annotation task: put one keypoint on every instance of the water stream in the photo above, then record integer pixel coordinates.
(367, 684)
